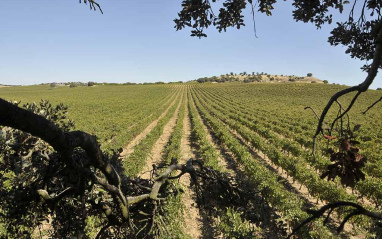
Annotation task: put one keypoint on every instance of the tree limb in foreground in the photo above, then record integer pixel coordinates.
(364, 86)
(65, 143)
(372, 105)
(357, 210)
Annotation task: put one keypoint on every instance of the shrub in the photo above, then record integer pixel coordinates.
(309, 75)
(326, 82)
(90, 83)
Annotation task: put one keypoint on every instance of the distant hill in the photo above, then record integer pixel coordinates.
(281, 78)
(248, 78)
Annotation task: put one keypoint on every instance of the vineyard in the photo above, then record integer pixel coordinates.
(257, 135)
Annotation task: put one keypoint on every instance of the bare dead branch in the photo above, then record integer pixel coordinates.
(347, 110)
(140, 185)
(359, 210)
(371, 106)
(45, 195)
(253, 17)
(93, 5)
(341, 108)
(188, 168)
(314, 112)
(350, 215)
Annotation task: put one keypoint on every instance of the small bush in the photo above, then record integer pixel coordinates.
(309, 75)
(326, 82)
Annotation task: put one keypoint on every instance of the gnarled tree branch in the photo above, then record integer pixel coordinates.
(93, 5)
(371, 106)
(62, 142)
(359, 88)
(358, 210)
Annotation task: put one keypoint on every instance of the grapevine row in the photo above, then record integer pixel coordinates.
(286, 202)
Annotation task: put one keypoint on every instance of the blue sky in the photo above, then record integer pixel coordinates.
(46, 41)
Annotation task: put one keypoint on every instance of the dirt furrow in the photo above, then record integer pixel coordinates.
(129, 148)
(156, 154)
(192, 217)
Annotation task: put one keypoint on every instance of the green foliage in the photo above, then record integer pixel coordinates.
(91, 83)
(309, 75)
(24, 164)
(129, 83)
(233, 226)
(174, 214)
